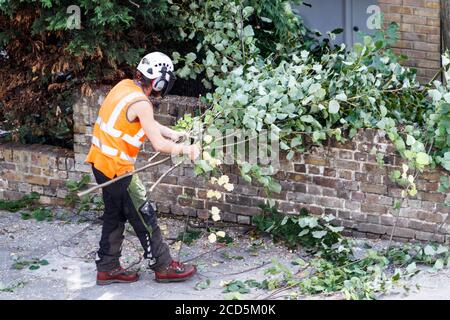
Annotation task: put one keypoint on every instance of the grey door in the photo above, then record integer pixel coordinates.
(363, 18)
(351, 15)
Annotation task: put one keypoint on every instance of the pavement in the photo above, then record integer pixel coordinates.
(69, 247)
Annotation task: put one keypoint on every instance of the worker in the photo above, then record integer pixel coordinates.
(125, 118)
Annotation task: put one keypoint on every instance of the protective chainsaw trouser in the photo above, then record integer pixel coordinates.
(126, 200)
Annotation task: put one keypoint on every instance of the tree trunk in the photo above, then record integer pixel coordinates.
(445, 20)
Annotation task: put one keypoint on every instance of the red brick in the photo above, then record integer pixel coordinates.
(309, 159)
(43, 181)
(325, 182)
(376, 208)
(373, 188)
(414, 3)
(328, 172)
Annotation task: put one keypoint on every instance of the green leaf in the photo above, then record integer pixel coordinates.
(233, 296)
(175, 57)
(248, 31)
(296, 141)
(383, 111)
(445, 161)
(410, 140)
(411, 267)
(435, 95)
(43, 262)
(429, 250)
(274, 186)
(396, 277)
(336, 229)
(303, 232)
(333, 107)
(268, 20)
(441, 249)
(319, 234)
(423, 159)
(396, 174)
(319, 135)
(25, 216)
(203, 284)
(204, 165)
(341, 97)
(439, 264)
(245, 167)
(307, 118)
(412, 192)
(190, 57)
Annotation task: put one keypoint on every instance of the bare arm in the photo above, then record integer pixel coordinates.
(169, 133)
(151, 127)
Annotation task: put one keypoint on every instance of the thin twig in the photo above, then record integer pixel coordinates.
(184, 235)
(203, 254)
(393, 229)
(280, 290)
(107, 183)
(134, 3)
(153, 156)
(247, 270)
(219, 225)
(164, 175)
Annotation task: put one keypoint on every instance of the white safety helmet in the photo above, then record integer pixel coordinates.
(158, 70)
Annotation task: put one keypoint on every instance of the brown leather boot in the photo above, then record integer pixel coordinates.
(119, 275)
(175, 272)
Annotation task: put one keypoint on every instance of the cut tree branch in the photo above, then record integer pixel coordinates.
(164, 175)
(152, 164)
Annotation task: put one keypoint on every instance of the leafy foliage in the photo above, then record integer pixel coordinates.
(32, 264)
(56, 61)
(305, 99)
(231, 33)
(236, 286)
(47, 62)
(339, 268)
(86, 203)
(39, 214)
(27, 201)
(32, 209)
(202, 285)
(189, 236)
(12, 287)
(311, 232)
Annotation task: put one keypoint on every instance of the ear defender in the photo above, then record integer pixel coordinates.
(159, 84)
(157, 72)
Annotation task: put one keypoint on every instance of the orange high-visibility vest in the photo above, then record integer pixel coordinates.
(115, 140)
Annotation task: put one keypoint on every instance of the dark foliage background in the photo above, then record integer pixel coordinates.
(45, 65)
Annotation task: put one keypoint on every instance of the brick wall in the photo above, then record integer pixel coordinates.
(35, 168)
(341, 179)
(420, 35)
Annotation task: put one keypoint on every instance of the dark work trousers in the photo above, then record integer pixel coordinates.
(126, 200)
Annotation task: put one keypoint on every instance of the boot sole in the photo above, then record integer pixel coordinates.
(175, 279)
(107, 282)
